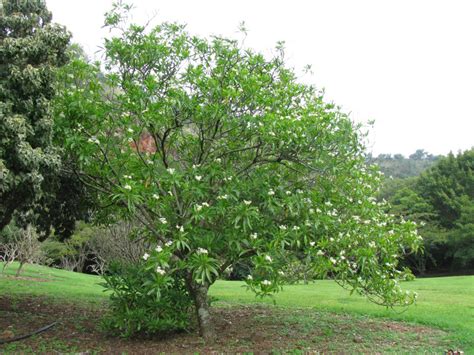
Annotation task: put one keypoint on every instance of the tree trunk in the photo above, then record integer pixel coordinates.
(18, 271)
(206, 327)
(201, 304)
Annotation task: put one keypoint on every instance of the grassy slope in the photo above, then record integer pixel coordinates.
(61, 284)
(446, 302)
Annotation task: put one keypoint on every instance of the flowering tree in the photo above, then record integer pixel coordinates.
(222, 155)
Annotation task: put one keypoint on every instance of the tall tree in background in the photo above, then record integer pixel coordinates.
(31, 48)
(449, 188)
(441, 199)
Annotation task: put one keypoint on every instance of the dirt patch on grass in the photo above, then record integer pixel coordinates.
(260, 329)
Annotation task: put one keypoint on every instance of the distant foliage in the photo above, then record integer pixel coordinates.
(94, 248)
(118, 242)
(441, 200)
(397, 166)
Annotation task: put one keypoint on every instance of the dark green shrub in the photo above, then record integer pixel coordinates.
(144, 302)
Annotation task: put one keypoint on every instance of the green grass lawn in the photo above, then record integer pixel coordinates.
(445, 302)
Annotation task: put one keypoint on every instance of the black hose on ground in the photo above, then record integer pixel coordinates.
(4, 341)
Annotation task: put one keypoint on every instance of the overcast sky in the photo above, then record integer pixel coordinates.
(406, 64)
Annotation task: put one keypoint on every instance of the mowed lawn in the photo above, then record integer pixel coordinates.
(445, 302)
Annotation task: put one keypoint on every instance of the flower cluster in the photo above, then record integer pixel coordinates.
(201, 251)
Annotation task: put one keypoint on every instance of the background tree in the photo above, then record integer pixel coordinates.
(20, 244)
(31, 48)
(222, 156)
(117, 243)
(449, 189)
(441, 200)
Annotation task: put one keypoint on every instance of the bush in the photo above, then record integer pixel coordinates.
(143, 302)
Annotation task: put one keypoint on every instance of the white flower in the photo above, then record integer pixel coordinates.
(266, 283)
(299, 191)
(247, 202)
(328, 203)
(271, 193)
(268, 258)
(160, 271)
(218, 160)
(198, 177)
(130, 139)
(288, 192)
(318, 210)
(281, 273)
(223, 197)
(198, 208)
(146, 256)
(320, 253)
(205, 204)
(201, 251)
(372, 244)
(332, 260)
(130, 130)
(282, 227)
(127, 187)
(163, 220)
(127, 176)
(169, 243)
(94, 140)
(254, 235)
(180, 228)
(249, 277)
(331, 239)
(196, 166)
(156, 196)
(296, 228)
(311, 210)
(391, 232)
(159, 249)
(170, 170)
(312, 244)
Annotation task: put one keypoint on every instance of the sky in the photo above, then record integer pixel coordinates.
(408, 65)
